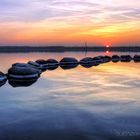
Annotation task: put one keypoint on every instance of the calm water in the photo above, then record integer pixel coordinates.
(79, 104)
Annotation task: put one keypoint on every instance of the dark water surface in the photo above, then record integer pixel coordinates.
(100, 103)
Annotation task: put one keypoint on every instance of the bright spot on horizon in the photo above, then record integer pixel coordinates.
(107, 46)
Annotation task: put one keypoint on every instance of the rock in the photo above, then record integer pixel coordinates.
(3, 79)
(52, 64)
(34, 64)
(68, 63)
(42, 67)
(43, 64)
(136, 58)
(115, 58)
(87, 62)
(126, 58)
(98, 60)
(41, 61)
(106, 59)
(21, 65)
(17, 72)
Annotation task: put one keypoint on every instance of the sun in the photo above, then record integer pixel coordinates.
(107, 46)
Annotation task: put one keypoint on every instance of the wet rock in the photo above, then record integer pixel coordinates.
(136, 58)
(3, 79)
(52, 64)
(22, 65)
(34, 64)
(106, 59)
(18, 73)
(68, 63)
(43, 64)
(41, 61)
(115, 58)
(42, 67)
(87, 62)
(126, 58)
(98, 60)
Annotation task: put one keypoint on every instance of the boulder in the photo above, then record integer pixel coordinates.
(136, 58)
(29, 65)
(52, 64)
(98, 60)
(68, 63)
(115, 58)
(41, 61)
(126, 58)
(34, 64)
(87, 62)
(106, 59)
(17, 72)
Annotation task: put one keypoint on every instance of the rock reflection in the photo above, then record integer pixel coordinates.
(3, 79)
(21, 83)
(26, 74)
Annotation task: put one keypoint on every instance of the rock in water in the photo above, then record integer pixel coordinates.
(23, 73)
(52, 64)
(115, 58)
(126, 58)
(68, 63)
(106, 59)
(98, 60)
(136, 58)
(41, 61)
(34, 64)
(87, 62)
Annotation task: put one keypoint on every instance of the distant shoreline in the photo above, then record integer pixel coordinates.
(26, 49)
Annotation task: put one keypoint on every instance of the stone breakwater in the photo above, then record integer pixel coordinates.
(25, 74)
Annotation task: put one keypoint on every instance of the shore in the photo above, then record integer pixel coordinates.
(26, 49)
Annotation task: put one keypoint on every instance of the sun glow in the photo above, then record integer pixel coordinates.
(59, 22)
(107, 46)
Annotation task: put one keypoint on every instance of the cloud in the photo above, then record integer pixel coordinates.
(36, 10)
(88, 16)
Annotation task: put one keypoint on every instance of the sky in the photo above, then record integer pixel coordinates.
(69, 22)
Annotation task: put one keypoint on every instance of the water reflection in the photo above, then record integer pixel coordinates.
(21, 80)
(82, 103)
(21, 83)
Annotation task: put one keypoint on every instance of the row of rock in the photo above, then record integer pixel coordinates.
(25, 74)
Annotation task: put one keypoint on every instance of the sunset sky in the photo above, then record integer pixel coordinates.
(69, 22)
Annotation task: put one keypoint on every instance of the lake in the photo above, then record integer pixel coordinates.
(98, 103)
